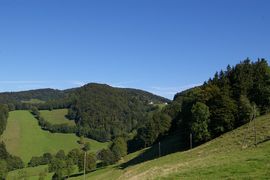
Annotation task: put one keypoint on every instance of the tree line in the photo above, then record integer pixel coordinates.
(7, 161)
(103, 113)
(54, 128)
(64, 165)
(228, 100)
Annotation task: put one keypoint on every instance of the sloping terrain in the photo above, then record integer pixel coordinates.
(222, 157)
(57, 116)
(24, 138)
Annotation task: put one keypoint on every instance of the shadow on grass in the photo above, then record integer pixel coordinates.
(76, 175)
(172, 144)
(263, 141)
(81, 173)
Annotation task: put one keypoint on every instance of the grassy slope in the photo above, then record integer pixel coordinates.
(24, 138)
(57, 116)
(222, 157)
(31, 173)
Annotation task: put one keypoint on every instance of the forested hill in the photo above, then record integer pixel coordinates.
(40, 94)
(230, 99)
(104, 112)
(49, 94)
(101, 112)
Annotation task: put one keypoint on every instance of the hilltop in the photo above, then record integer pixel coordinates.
(213, 116)
(107, 111)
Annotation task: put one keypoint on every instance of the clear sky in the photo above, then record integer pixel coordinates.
(159, 46)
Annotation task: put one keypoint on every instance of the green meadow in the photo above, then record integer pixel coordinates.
(24, 138)
(221, 158)
(57, 116)
(31, 173)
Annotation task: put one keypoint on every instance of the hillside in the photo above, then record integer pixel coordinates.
(101, 112)
(222, 157)
(104, 112)
(23, 137)
(57, 116)
(27, 96)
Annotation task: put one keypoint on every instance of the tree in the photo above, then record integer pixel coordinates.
(3, 118)
(69, 167)
(157, 125)
(61, 155)
(58, 166)
(74, 154)
(87, 162)
(199, 124)
(107, 157)
(34, 111)
(223, 110)
(3, 169)
(85, 148)
(244, 110)
(119, 147)
(47, 157)
(81, 141)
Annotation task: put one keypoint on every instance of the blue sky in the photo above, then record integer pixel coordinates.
(159, 46)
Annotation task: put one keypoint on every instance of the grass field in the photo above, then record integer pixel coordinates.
(221, 158)
(31, 173)
(57, 116)
(24, 137)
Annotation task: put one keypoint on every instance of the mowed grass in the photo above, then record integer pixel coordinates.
(57, 116)
(24, 138)
(221, 158)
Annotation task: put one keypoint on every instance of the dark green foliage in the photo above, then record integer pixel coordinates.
(64, 165)
(74, 155)
(119, 148)
(60, 155)
(59, 167)
(90, 162)
(42, 160)
(231, 96)
(103, 112)
(41, 94)
(3, 118)
(60, 128)
(199, 123)
(245, 110)
(35, 112)
(223, 112)
(69, 167)
(12, 162)
(156, 125)
(107, 157)
(3, 169)
(86, 147)
(3, 151)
